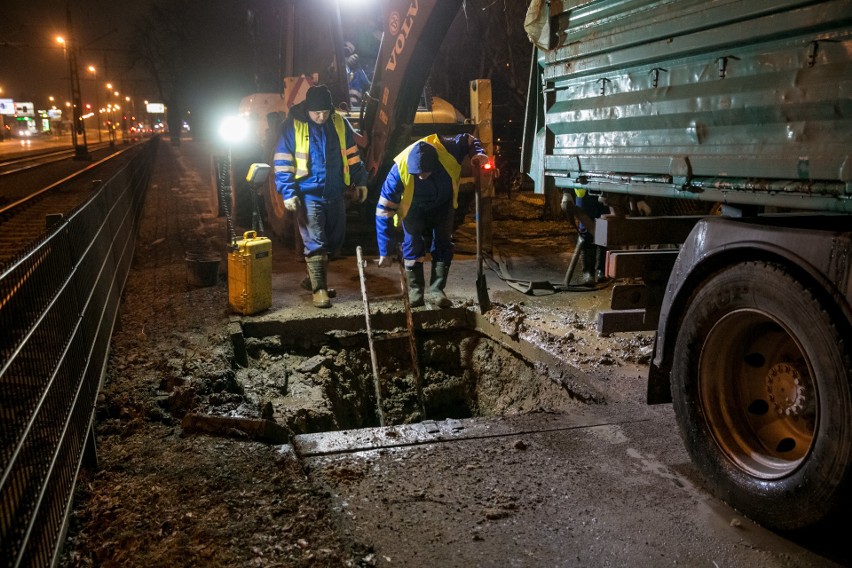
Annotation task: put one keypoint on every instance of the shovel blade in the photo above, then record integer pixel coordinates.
(482, 294)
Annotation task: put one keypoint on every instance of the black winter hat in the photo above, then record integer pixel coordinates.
(423, 159)
(318, 98)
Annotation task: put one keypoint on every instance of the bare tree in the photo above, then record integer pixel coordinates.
(197, 55)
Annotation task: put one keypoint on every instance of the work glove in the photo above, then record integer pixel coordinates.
(293, 203)
(384, 261)
(362, 193)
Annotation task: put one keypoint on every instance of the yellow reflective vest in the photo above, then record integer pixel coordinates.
(448, 162)
(302, 140)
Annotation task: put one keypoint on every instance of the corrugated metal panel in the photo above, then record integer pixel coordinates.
(704, 89)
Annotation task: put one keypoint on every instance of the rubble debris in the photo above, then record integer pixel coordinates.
(256, 429)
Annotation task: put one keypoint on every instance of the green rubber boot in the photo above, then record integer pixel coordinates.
(440, 272)
(416, 283)
(317, 268)
(306, 285)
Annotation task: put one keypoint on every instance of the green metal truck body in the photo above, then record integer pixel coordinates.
(722, 101)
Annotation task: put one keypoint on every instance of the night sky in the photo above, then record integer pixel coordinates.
(218, 51)
(32, 64)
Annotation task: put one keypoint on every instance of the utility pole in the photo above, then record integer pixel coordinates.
(81, 150)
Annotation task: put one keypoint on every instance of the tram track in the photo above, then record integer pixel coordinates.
(29, 209)
(33, 159)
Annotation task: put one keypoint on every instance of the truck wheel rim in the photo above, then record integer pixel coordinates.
(757, 393)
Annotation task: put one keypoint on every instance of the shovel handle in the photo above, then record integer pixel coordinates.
(477, 187)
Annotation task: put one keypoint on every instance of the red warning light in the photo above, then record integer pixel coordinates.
(487, 166)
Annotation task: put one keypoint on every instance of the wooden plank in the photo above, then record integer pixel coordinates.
(235, 426)
(614, 232)
(640, 263)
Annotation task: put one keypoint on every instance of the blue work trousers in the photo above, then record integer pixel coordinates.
(591, 206)
(322, 224)
(437, 221)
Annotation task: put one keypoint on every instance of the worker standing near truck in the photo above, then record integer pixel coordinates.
(316, 160)
(421, 193)
(592, 256)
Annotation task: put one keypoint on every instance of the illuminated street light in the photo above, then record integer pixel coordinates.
(233, 130)
(93, 70)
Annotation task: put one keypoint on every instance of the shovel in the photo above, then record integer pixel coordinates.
(481, 286)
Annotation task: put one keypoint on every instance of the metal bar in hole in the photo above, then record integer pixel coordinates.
(412, 345)
(373, 359)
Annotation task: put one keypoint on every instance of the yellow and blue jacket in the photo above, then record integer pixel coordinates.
(315, 161)
(402, 189)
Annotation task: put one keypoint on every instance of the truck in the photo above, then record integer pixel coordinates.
(733, 120)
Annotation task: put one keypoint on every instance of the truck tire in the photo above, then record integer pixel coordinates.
(761, 391)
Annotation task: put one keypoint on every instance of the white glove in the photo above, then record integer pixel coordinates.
(643, 208)
(362, 193)
(293, 203)
(384, 261)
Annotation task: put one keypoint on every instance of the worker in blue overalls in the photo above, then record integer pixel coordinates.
(315, 161)
(421, 193)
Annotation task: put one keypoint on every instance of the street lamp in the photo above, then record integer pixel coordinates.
(111, 109)
(91, 69)
(233, 130)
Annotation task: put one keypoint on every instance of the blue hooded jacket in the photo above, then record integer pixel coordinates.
(434, 192)
(325, 163)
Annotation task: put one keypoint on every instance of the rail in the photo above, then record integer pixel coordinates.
(32, 160)
(58, 304)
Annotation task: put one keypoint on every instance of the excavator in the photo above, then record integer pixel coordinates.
(395, 109)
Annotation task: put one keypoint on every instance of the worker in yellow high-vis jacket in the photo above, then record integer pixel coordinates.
(316, 160)
(421, 193)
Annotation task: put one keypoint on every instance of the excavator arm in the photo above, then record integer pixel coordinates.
(413, 33)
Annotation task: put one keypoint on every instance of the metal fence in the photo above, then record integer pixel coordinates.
(58, 304)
